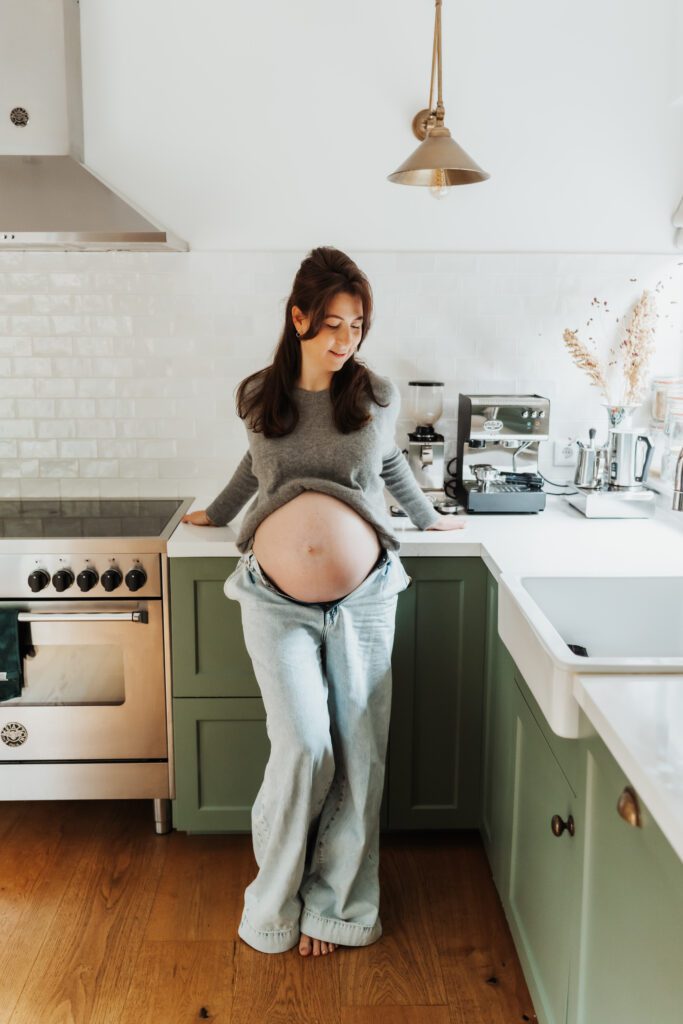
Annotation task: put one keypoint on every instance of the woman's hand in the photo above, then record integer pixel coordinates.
(197, 518)
(449, 522)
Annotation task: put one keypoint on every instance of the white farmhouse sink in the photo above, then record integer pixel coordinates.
(628, 625)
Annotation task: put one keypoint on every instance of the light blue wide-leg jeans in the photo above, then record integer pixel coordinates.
(324, 671)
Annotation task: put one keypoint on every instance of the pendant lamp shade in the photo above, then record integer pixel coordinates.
(438, 162)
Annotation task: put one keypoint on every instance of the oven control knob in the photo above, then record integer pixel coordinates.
(62, 579)
(136, 578)
(87, 579)
(38, 580)
(111, 579)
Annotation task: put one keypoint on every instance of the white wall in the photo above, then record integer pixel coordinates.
(260, 131)
(273, 125)
(117, 370)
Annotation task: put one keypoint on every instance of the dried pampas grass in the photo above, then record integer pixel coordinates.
(633, 352)
(585, 359)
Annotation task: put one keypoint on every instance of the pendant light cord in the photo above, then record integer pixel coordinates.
(436, 58)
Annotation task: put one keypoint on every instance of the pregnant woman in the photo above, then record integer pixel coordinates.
(318, 583)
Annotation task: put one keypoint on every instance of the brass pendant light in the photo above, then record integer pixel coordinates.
(439, 162)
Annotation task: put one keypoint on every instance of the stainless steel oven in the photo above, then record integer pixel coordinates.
(86, 584)
(93, 682)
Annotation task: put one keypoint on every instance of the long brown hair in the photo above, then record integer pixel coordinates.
(270, 404)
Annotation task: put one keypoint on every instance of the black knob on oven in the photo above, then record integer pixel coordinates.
(62, 579)
(136, 578)
(87, 579)
(111, 579)
(38, 580)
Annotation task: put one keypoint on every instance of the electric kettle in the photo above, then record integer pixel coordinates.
(628, 461)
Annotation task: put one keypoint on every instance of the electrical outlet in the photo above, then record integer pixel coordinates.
(564, 452)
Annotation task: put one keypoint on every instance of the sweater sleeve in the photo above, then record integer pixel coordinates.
(235, 494)
(397, 474)
(402, 484)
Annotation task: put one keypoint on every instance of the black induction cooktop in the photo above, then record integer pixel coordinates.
(86, 517)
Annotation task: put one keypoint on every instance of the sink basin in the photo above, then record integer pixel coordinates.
(628, 625)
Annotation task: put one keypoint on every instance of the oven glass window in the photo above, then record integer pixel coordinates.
(79, 674)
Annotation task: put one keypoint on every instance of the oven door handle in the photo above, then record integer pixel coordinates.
(140, 616)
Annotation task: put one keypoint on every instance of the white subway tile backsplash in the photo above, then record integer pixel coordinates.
(117, 448)
(56, 428)
(58, 468)
(102, 467)
(118, 370)
(19, 468)
(78, 449)
(96, 428)
(15, 427)
(38, 449)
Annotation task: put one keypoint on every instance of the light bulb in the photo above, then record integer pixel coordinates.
(439, 188)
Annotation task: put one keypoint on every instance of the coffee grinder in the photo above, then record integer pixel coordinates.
(425, 451)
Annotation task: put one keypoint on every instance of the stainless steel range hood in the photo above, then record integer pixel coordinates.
(50, 200)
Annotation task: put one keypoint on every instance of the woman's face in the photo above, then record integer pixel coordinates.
(339, 334)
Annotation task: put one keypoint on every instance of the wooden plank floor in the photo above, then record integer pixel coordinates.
(104, 922)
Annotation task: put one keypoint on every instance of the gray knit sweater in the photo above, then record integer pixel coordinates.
(316, 456)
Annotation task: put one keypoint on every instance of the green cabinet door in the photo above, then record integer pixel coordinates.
(221, 750)
(497, 744)
(208, 652)
(631, 935)
(543, 884)
(437, 667)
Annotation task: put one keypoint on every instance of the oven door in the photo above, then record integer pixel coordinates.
(93, 683)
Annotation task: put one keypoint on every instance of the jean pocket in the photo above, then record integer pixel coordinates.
(233, 576)
(395, 578)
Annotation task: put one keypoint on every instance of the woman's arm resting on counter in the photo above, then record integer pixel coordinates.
(400, 481)
(241, 486)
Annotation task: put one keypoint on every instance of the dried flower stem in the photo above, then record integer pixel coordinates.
(585, 360)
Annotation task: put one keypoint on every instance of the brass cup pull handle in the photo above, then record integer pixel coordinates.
(627, 806)
(559, 826)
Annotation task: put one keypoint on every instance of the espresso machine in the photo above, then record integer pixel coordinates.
(496, 466)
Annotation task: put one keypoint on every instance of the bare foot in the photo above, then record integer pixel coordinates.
(317, 946)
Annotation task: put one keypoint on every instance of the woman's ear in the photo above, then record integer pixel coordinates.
(300, 321)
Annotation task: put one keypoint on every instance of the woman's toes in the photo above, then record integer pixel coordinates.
(305, 945)
(316, 947)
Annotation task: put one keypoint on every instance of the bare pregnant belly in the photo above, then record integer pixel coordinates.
(316, 547)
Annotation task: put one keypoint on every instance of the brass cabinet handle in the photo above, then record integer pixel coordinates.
(558, 825)
(627, 806)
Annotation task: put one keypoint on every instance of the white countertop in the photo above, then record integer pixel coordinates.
(639, 718)
(559, 539)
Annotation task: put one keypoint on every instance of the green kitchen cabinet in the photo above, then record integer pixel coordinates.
(597, 916)
(221, 745)
(541, 895)
(221, 749)
(432, 775)
(497, 744)
(438, 668)
(209, 656)
(630, 946)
